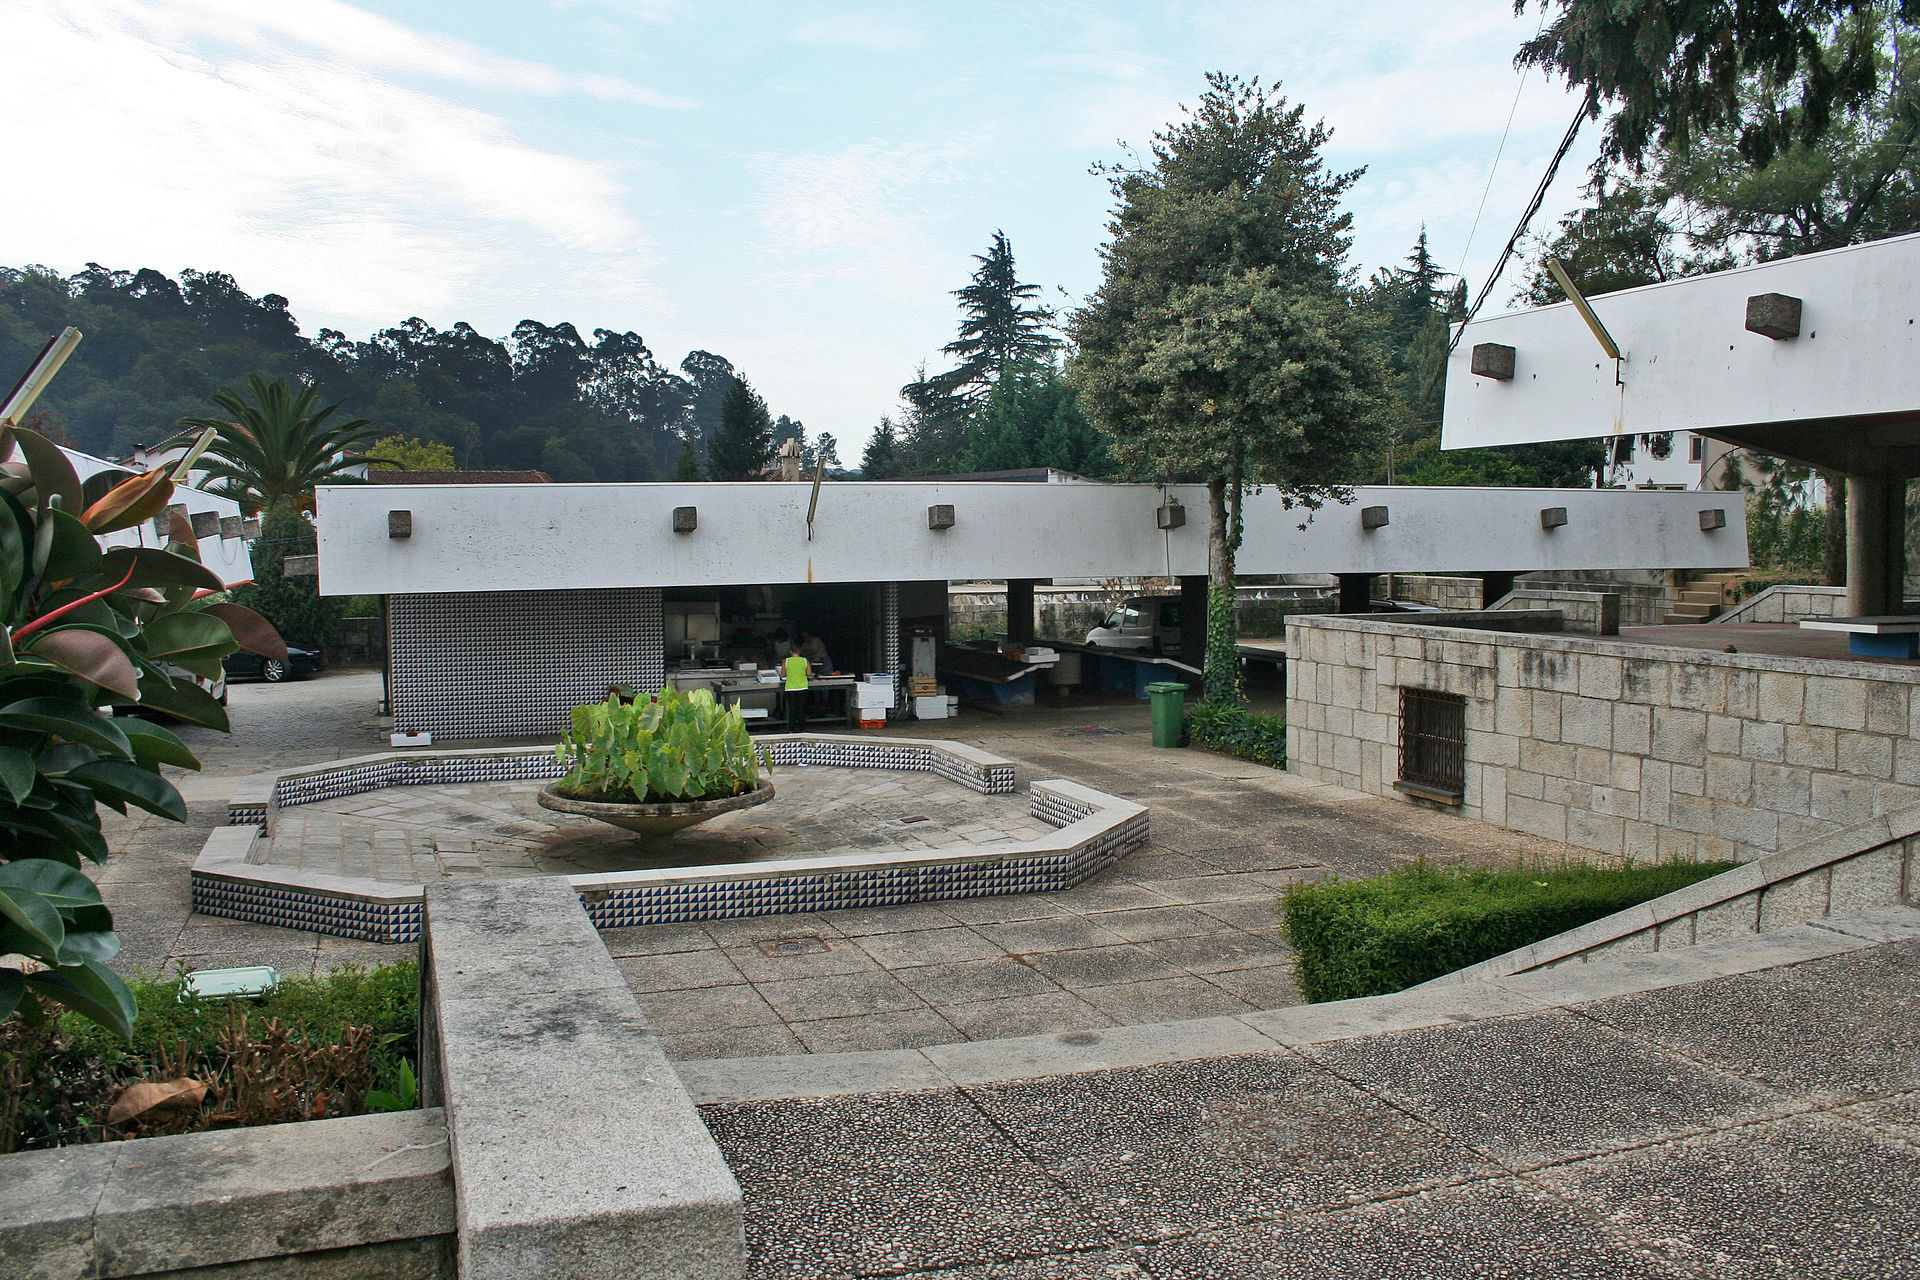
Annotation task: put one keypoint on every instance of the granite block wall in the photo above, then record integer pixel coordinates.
(1623, 748)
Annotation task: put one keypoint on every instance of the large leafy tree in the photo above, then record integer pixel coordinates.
(1669, 68)
(743, 446)
(277, 444)
(1223, 342)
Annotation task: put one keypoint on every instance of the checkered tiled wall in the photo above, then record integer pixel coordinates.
(890, 628)
(493, 664)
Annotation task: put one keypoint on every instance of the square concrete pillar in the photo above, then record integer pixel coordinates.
(1020, 609)
(1876, 546)
(1193, 620)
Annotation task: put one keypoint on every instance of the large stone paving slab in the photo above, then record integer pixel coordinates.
(1548, 1147)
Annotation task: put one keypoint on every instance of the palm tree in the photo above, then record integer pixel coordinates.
(276, 444)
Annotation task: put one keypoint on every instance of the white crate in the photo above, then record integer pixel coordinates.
(933, 708)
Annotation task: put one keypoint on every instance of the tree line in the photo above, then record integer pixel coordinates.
(544, 398)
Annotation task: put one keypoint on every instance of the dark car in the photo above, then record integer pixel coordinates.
(300, 662)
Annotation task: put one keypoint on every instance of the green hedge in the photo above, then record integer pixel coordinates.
(1393, 931)
(1230, 727)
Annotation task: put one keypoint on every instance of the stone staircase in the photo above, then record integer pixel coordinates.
(1702, 597)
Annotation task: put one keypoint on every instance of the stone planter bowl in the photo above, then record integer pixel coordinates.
(655, 819)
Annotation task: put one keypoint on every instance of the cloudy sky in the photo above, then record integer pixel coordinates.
(795, 186)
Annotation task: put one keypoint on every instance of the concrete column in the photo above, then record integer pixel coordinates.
(1356, 592)
(1493, 586)
(1020, 609)
(1193, 620)
(1876, 545)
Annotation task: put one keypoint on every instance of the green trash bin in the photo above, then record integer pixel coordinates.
(1169, 711)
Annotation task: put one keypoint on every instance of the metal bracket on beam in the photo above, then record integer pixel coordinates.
(1170, 515)
(301, 566)
(1373, 517)
(399, 524)
(1552, 517)
(686, 519)
(1712, 518)
(940, 516)
(205, 524)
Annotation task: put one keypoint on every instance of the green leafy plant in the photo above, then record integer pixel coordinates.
(1389, 932)
(678, 746)
(1230, 727)
(89, 627)
(404, 1096)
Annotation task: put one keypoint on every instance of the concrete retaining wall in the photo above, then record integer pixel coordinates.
(1623, 748)
(577, 1154)
(1856, 871)
(369, 1197)
(1591, 613)
(1789, 602)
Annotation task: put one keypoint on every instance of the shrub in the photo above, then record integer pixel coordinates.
(1389, 932)
(309, 1044)
(678, 746)
(1230, 727)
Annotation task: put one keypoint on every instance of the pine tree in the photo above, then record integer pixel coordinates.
(879, 460)
(1001, 327)
(743, 445)
(688, 468)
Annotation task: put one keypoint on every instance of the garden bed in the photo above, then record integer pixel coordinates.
(1235, 731)
(310, 1049)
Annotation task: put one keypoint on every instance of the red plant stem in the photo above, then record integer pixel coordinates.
(44, 619)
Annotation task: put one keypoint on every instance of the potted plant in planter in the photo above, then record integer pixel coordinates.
(658, 766)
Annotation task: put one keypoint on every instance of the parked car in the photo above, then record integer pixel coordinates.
(300, 662)
(1149, 624)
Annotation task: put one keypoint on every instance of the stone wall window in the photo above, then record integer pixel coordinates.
(1433, 745)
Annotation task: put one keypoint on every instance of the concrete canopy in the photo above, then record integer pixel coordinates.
(1842, 393)
(1815, 359)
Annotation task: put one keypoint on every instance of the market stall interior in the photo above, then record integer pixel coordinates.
(732, 640)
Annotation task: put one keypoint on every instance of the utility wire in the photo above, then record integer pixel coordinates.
(1520, 230)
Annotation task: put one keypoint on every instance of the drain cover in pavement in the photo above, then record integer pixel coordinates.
(800, 945)
(1088, 730)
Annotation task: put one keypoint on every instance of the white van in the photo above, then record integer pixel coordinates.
(1149, 624)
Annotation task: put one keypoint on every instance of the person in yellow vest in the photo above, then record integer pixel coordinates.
(796, 668)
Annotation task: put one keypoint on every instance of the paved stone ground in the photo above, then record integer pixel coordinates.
(1183, 928)
(1765, 1125)
(414, 835)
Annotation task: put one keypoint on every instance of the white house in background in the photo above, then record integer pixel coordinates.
(217, 523)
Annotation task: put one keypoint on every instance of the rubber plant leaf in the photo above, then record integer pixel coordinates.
(156, 745)
(60, 885)
(130, 502)
(132, 784)
(157, 568)
(90, 990)
(67, 719)
(250, 631)
(53, 475)
(182, 700)
(91, 656)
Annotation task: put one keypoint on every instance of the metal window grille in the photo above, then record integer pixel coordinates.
(1433, 741)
